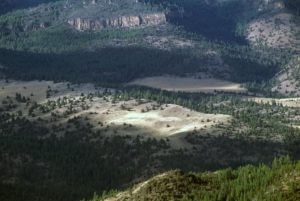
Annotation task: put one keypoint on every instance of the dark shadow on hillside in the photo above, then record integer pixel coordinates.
(213, 21)
(294, 5)
(215, 152)
(115, 65)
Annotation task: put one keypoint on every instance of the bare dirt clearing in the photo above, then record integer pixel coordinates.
(165, 121)
(189, 84)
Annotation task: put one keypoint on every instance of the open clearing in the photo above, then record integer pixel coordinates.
(151, 120)
(166, 120)
(188, 84)
(37, 90)
(132, 117)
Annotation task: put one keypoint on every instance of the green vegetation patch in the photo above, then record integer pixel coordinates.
(279, 182)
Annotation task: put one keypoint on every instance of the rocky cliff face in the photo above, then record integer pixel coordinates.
(118, 22)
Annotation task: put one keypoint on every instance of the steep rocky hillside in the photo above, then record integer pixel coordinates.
(235, 21)
(97, 15)
(288, 79)
(128, 21)
(83, 15)
(279, 28)
(214, 38)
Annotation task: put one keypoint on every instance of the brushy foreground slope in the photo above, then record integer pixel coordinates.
(279, 182)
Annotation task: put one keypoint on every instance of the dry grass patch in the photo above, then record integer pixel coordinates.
(37, 90)
(188, 84)
(166, 121)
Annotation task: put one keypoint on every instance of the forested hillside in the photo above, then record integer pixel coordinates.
(220, 27)
(196, 39)
(74, 155)
(245, 183)
(10, 5)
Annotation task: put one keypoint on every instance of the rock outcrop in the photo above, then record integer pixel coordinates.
(118, 22)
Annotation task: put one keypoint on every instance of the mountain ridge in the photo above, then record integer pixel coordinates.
(279, 180)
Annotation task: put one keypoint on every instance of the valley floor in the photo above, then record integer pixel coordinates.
(133, 133)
